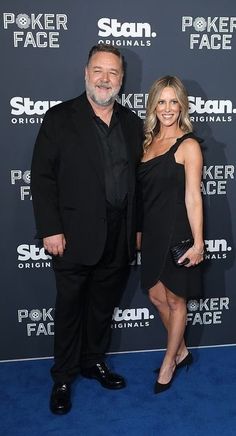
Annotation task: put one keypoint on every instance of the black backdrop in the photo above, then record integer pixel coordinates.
(43, 50)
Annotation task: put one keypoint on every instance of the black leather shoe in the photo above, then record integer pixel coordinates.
(102, 373)
(60, 403)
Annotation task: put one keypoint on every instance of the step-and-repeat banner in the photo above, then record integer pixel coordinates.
(43, 51)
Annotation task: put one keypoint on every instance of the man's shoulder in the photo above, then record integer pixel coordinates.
(66, 106)
(126, 112)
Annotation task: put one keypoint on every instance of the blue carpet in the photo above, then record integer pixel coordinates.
(200, 402)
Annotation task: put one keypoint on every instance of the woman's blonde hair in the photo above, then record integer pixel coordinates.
(152, 124)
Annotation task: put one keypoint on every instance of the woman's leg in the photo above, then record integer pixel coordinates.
(157, 295)
(172, 309)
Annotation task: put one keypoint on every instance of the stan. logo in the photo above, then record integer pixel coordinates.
(217, 249)
(30, 256)
(27, 111)
(201, 110)
(125, 34)
(129, 318)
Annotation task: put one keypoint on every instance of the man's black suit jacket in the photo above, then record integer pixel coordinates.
(67, 179)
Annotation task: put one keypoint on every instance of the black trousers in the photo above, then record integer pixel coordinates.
(86, 298)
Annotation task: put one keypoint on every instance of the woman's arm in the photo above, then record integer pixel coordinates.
(192, 160)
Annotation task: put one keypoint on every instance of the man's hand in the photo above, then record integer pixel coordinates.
(55, 244)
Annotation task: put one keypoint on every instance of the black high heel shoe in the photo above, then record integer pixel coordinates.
(161, 387)
(187, 361)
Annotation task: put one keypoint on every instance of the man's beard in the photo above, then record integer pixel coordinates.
(101, 101)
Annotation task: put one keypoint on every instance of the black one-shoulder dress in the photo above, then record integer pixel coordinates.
(161, 183)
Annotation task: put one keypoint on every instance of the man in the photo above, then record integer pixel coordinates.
(83, 187)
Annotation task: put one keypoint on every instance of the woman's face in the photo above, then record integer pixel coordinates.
(168, 107)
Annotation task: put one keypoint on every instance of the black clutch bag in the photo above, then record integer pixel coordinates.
(179, 249)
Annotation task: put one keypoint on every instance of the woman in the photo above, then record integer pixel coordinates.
(170, 177)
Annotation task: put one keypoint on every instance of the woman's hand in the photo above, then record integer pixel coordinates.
(194, 255)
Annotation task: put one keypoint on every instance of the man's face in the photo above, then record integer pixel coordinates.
(103, 78)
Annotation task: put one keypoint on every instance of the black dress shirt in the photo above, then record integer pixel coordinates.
(115, 159)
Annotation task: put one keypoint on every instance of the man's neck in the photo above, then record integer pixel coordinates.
(103, 112)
